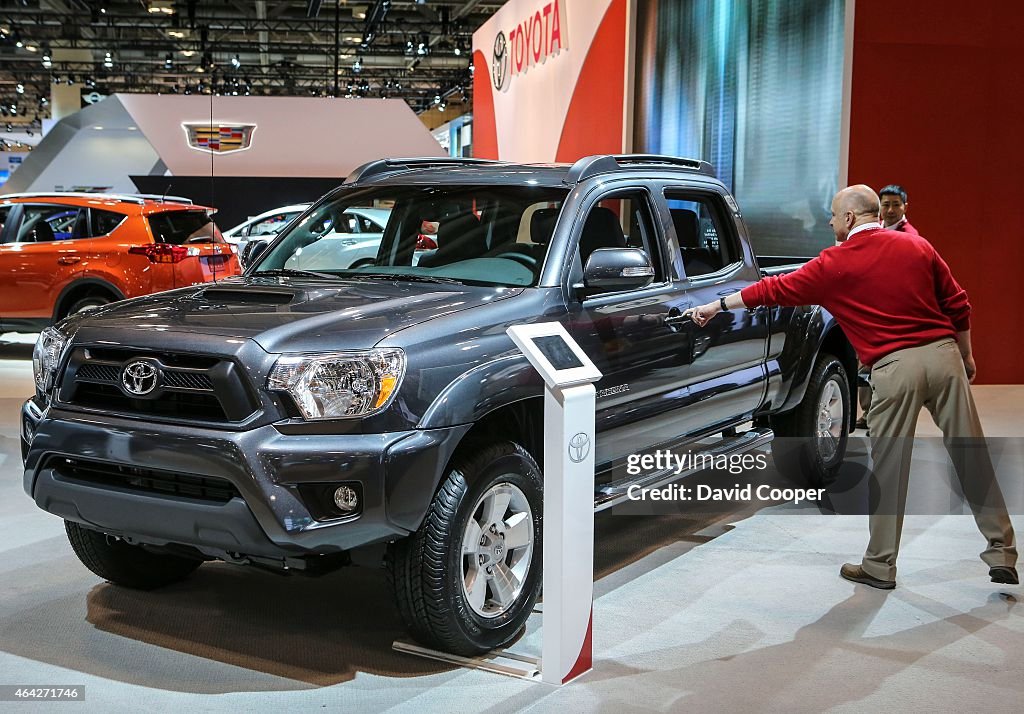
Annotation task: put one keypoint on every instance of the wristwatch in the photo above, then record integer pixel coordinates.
(721, 303)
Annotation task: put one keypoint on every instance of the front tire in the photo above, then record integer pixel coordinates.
(468, 579)
(812, 439)
(121, 563)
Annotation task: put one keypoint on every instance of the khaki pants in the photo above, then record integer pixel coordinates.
(930, 376)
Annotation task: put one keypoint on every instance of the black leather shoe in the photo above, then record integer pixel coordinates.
(856, 574)
(1005, 574)
(862, 423)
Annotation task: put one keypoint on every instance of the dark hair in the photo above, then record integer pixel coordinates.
(894, 189)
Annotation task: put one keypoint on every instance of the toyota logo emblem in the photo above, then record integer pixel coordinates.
(499, 62)
(579, 447)
(139, 378)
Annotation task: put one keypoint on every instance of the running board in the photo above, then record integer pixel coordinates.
(613, 494)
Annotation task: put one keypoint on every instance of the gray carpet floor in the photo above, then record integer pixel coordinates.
(740, 611)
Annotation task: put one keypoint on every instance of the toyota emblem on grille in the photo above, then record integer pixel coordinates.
(139, 377)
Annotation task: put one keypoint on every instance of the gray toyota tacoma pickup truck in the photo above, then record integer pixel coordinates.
(298, 419)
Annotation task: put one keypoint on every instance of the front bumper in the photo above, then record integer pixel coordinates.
(270, 516)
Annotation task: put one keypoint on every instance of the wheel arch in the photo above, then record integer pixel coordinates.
(83, 287)
(822, 334)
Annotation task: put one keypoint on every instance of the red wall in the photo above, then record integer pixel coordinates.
(938, 106)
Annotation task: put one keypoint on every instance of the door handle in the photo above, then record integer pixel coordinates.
(676, 316)
(69, 259)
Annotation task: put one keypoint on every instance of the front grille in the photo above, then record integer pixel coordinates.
(174, 405)
(148, 481)
(98, 373)
(190, 387)
(188, 380)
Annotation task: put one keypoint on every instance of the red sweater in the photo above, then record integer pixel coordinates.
(905, 227)
(888, 290)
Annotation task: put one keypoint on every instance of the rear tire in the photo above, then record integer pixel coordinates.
(90, 302)
(468, 579)
(812, 438)
(131, 566)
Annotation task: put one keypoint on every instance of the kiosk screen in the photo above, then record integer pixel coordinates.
(557, 352)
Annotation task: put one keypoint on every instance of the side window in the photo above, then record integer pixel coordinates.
(700, 244)
(348, 224)
(47, 223)
(103, 222)
(269, 226)
(366, 225)
(621, 220)
(4, 212)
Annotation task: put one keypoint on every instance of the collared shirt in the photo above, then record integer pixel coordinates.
(864, 227)
(896, 226)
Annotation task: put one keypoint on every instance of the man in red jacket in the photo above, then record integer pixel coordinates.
(894, 209)
(908, 320)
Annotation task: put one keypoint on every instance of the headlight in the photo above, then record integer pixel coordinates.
(46, 356)
(342, 384)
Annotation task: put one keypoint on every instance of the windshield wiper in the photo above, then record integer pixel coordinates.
(411, 277)
(286, 272)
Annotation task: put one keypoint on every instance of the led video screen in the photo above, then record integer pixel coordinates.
(756, 88)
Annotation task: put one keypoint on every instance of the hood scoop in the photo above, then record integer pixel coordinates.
(262, 296)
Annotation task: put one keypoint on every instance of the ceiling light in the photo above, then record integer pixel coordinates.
(20, 88)
(236, 62)
(188, 53)
(169, 61)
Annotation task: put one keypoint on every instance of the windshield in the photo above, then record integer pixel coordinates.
(488, 235)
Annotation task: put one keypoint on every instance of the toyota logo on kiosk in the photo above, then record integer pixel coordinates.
(139, 377)
(579, 447)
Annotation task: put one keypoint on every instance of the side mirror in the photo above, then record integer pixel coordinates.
(252, 251)
(617, 269)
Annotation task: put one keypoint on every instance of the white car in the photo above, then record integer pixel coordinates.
(352, 243)
(266, 225)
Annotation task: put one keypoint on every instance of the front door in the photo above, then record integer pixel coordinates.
(642, 358)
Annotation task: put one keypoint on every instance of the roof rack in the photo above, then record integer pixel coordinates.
(590, 166)
(76, 194)
(383, 166)
(161, 198)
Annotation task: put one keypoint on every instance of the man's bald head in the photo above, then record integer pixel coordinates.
(851, 207)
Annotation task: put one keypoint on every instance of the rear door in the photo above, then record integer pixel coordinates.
(726, 373)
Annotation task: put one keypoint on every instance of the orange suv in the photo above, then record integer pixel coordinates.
(65, 252)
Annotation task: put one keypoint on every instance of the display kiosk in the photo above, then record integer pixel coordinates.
(569, 408)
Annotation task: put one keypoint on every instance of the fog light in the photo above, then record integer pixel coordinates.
(346, 499)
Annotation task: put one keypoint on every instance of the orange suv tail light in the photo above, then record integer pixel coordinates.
(163, 252)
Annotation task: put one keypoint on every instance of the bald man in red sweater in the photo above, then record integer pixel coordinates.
(908, 320)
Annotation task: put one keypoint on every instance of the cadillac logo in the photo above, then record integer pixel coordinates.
(218, 138)
(579, 447)
(499, 62)
(139, 378)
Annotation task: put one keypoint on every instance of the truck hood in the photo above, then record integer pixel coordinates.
(288, 314)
